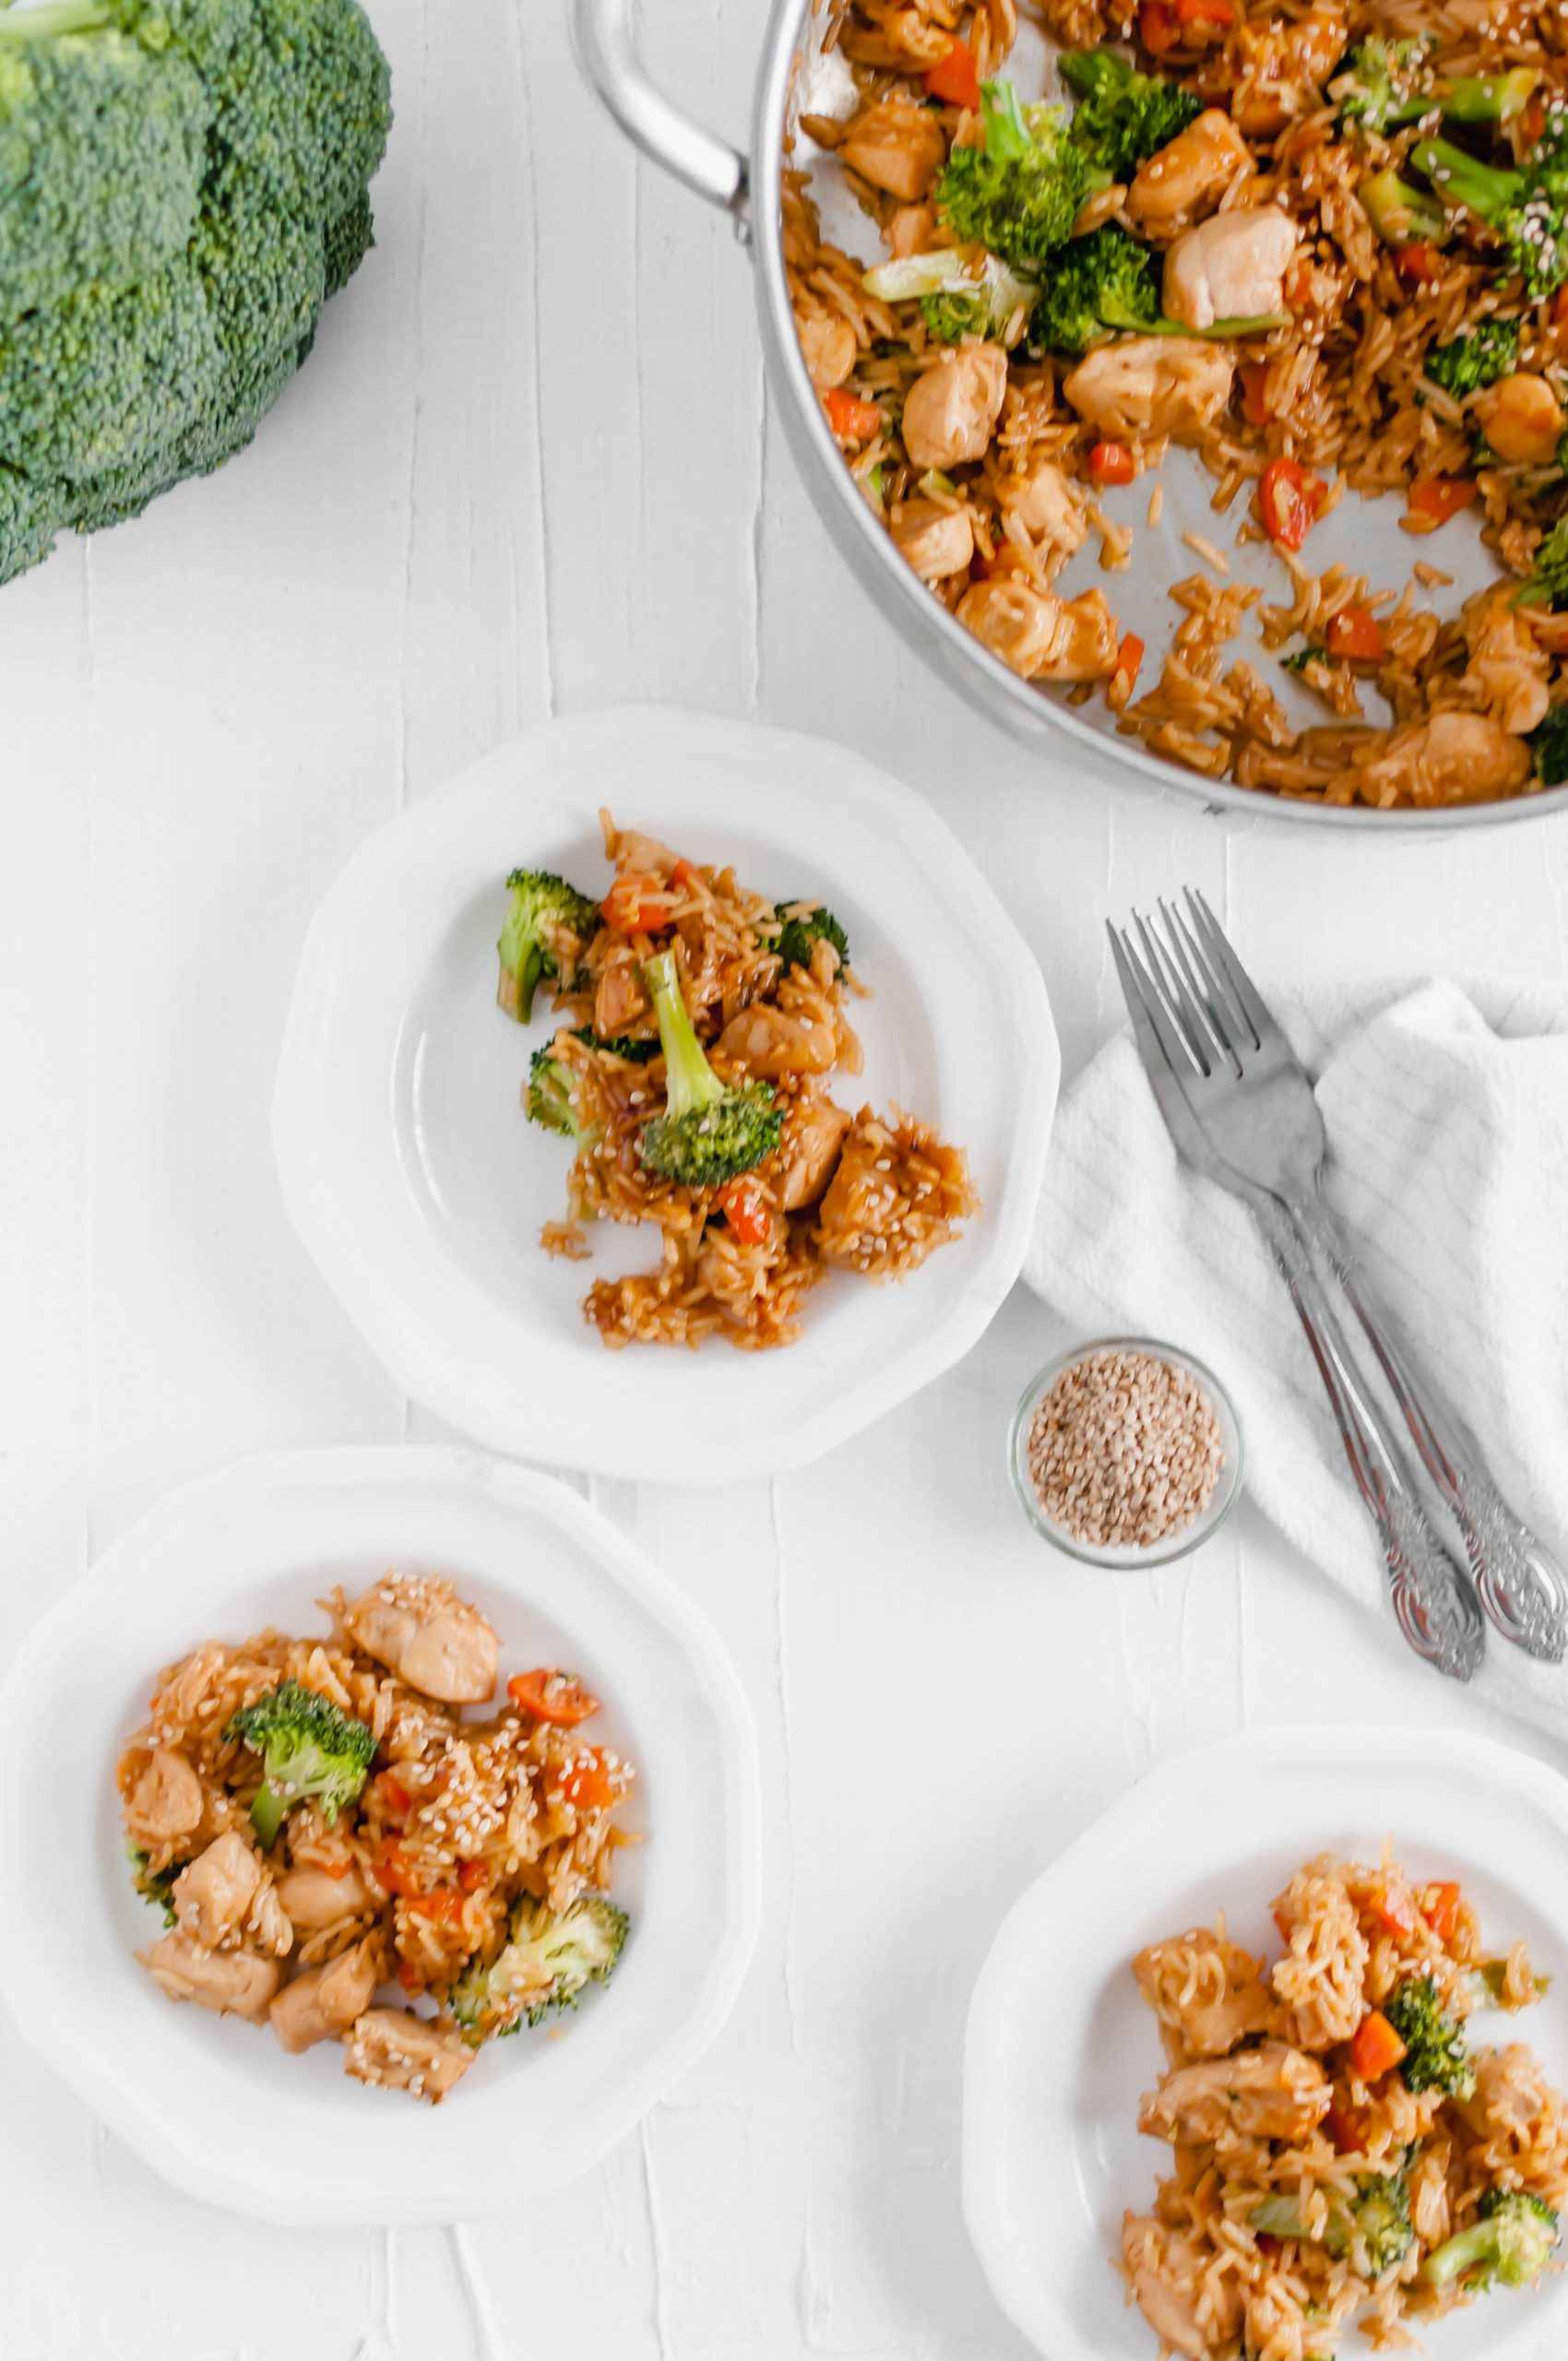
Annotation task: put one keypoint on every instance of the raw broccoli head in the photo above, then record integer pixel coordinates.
(1097, 285)
(544, 1965)
(1382, 84)
(154, 1886)
(1435, 2056)
(1490, 350)
(1548, 745)
(1122, 116)
(797, 936)
(311, 1751)
(1019, 195)
(1375, 2228)
(549, 925)
(183, 184)
(1509, 2244)
(1527, 210)
(710, 1131)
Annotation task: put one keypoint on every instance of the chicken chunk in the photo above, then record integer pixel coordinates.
(1151, 385)
(1453, 758)
(620, 1001)
(827, 343)
(1274, 2092)
(951, 409)
(235, 1984)
(1039, 636)
(773, 1044)
(166, 1801)
(1284, 67)
(1509, 672)
(314, 1899)
(814, 1134)
(213, 1893)
(422, 1631)
(912, 231)
(936, 541)
(323, 2002)
(1166, 2270)
(1186, 178)
(402, 2052)
(1230, 269)
(1521, 419)
(1045, 504)
(896, 147)
(1208, 1991)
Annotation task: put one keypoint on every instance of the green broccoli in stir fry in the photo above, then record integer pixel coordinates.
(1548, 582)
(1508, 2245)
(1098, 285)
(311, 1751)
(544, 1965)
(1435, 2056)
(1122, 117)
(957, 298)
(798, 934)
(1382, 84)
(154, 1886)
(710, 1131)
(1548, 749)
(549, 925)
(1019, 195)
(1525, 209)
(1375, 2231)
(1467, 363)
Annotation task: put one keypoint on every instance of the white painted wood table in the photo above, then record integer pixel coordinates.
(530, 471)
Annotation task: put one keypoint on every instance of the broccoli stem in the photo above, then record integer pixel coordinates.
(1462, 179)
(689, 1081)
(1489, 98)
(268, 1812)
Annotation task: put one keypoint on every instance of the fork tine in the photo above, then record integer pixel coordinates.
(1172, 993)
(1218, 1021)
(1159, 1041)
(1221, 957)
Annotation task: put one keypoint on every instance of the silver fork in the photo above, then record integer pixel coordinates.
(1244, 1064)
(1433, 1599)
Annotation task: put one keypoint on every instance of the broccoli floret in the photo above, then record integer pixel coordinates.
(1490, 351)
(549, 925)
(1019, 195)
(1547, 583)
(1548, 745)
(1097, 284)
(1380, 84)
(1527, 210)
(552, 1097)
(1400, 213)
(1299, 660)
(1122, 116)
(953, 300)
(154, 1886)
(797, 936)
(545, 1963)
(311, 1751)
(1509, 2246)
(183, 184)
(1435, 2056)
(710, 1131)
(1376, 2230)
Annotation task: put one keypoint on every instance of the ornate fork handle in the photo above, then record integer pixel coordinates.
(1432, 1596)
(1522, 1586)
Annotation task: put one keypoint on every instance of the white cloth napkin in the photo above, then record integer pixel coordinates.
(1446, 1108)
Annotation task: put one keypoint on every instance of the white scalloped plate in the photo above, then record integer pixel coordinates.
(418, 1188)
(1061, 2046)
(213, 2104)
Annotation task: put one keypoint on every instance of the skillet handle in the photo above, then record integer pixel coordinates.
(608, 57)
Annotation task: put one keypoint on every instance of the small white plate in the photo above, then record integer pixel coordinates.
(1061, 2046)
(213, 2104)
(419, 1187)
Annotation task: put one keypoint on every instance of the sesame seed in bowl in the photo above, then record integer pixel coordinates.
(1126, 1452)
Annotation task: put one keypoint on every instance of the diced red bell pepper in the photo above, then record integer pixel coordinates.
(1357, 636)
(955, 78)
(851, 420)
(1376, 2048)
(1440, 1908)
(1111, 463)
(744, 1208)
(1437, 498)
(1290, 498)
(1254, 407)
(1129, 655)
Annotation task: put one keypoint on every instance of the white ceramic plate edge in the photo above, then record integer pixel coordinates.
(192, 2169)
(317, 1213)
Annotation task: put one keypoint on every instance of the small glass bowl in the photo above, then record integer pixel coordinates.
(1128, 1554)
